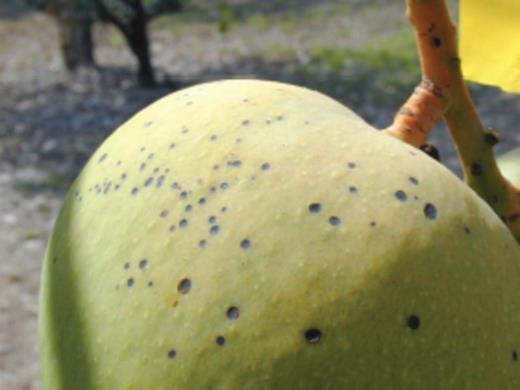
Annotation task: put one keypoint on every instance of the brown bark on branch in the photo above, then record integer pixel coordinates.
(436, 40)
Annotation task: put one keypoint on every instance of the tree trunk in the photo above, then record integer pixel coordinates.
(137, 37)
(74, 19)
(134, 29)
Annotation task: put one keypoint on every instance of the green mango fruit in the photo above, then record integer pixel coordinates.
(255, 235)
(509, 164)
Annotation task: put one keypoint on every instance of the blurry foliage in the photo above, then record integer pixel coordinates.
(152, 8)
(388, 65)
(227, 16)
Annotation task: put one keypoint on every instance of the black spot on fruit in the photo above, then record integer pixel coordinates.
(315, 207)
(246, 122)
(135, 190)
(313, 335)
(245, 244)
(126, 266)
(188, 208)
(143, 263)
(212, 219)
(234, 163)
(224, 186)
(184, 286)
(148, 182)
(430, 211)
(203, 243)
(353, 190)
(102, 158)
(413, 180)
(202, 201)
(220, 340)
(334, 221)
(514, 355)
(401, 196)
(373, 224)
(233, 313)
(214, 137)
(352, 165)
(172, 353)
(214, 230)
(130, 282)
(266, 166)
(164, 214)
(160, 181)
(183, 223)
(413, 322)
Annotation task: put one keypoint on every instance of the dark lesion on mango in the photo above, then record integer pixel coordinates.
(430, 211)
(413, 322)
(334, 220)
(184, 286)
(102, 157)
(233, 313)
(245, 243)
(315, 208)
(401, 195)
(413, 180)
(313, 335)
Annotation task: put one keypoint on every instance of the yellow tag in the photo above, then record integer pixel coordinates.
(490, 42)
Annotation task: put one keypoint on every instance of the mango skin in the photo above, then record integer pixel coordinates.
(509, 164)
(413, 286)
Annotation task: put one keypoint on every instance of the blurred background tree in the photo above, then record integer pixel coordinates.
(75, 19)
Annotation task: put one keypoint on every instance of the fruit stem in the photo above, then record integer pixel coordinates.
(419, 114)
(435, 35)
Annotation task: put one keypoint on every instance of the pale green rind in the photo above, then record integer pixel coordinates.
(509, 164)
(358, 282)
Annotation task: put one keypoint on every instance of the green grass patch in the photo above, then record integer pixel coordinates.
(54, 182)
(383, 71)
